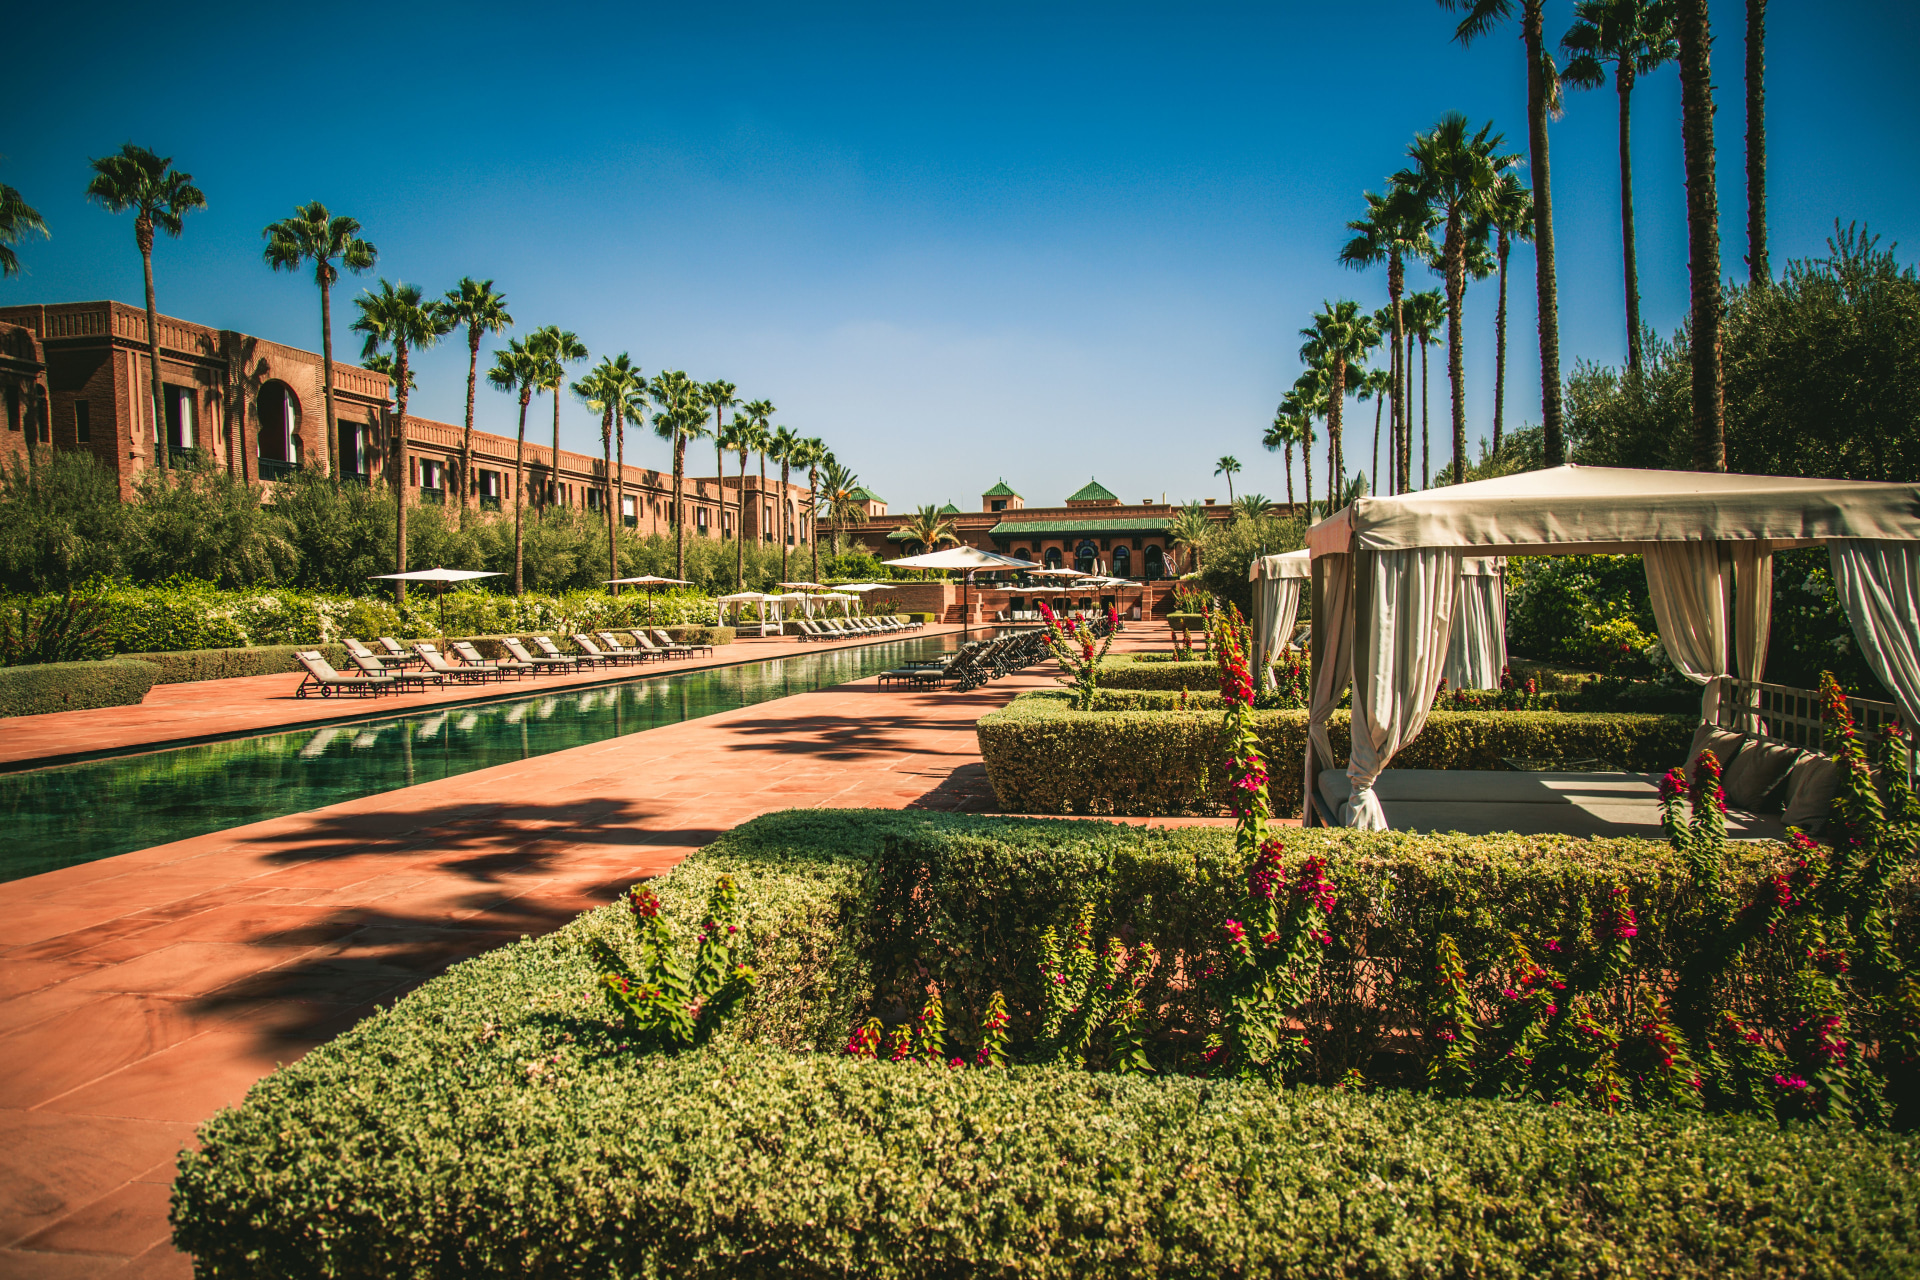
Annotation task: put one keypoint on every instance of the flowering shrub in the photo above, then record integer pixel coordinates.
(926, 1040)
(1087, 993)
(1074, 644)
(669, 1001)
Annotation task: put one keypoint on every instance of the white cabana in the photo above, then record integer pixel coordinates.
(1277, 583)
(1477, 654)
(769, 607)
(1386, 583)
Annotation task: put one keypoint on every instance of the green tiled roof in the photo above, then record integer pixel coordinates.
(1016, 529)
(900, 535)
(949, 510)
(1000, 491)
(864, 494)
(1094, 492)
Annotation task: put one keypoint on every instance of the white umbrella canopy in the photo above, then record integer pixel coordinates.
(962, 557)
(440, 580)
(648, 580)
(802, 586)
(1058, 573)
(862, 586)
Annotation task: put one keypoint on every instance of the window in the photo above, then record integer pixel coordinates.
(13, 408)
(353, 450)
(1052, 558)
(593, 500)
(629, 512)
(700, 519)
(1156, 564)
(999, 504)
(1084, 555)
(82, 422)
(433, 473)
(766, 522)
(277, 414)
(179, 402)
(1122, 562)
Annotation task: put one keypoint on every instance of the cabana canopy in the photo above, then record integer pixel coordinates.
(1387, 577)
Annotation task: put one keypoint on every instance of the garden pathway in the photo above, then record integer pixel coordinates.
(141, 993)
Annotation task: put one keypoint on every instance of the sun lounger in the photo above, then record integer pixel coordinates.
(541, 662)
(638, 653)
(392, 651)
(583, 660)
(471, 656)
(666, 641)
(371, 664)
(321, 675)
(625, 658)
(663, 652)
(436, 661)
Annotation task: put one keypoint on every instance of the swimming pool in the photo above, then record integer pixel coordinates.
(69, 814)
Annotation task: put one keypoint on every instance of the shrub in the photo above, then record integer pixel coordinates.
(1044, 757)
(63, 630)
(701, 634)
(498, 1121)
(226, 664)
(69, 686)
(1157, 671)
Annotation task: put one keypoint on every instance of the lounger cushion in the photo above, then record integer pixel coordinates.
(1811, 785)
(1756, 771)
(1724, 743)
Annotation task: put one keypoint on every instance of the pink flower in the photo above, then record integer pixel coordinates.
(1792, 1084)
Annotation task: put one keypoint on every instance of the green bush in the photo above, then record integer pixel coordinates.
(1157, 671)
(701, 634)
(497, 1123)
(69, 686)
(226, 664)
(927, 619)
(1044, 757)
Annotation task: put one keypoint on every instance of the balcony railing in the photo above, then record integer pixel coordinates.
(275, 469)
(434, 497)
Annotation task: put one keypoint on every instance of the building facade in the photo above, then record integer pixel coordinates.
(76, 376)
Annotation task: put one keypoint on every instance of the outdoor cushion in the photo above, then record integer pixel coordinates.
(1725, 744)
(1491, 786)
(1811, 785)
(1756, 771)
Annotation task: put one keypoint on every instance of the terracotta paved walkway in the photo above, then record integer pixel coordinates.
(141, 993)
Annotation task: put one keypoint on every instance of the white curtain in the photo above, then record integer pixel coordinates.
(1752, 617)
(1880, 583)
(1332, 665)
(1477, 654)
(1410, 597)
(1688, 583)
(1276, 603)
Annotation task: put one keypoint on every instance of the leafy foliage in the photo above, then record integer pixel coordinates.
(670, 1001)
(70, 686)
(62, 630)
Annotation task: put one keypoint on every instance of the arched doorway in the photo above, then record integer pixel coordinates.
(1084, 555)
(278, 413)
(1156, 564)
(1052, 558)
(1122, 562)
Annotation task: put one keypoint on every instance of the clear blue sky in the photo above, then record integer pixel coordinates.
(1038, 241)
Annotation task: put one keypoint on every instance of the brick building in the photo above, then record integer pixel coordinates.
(75, 376)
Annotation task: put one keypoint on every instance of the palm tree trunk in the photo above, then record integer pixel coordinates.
(1306, 467)
(1406, 417)
(520, 497)
(1624, 79)
(1289, 456)
(679, 508)
(781, 524)
(400, 471)
(1396, 282)
(1373, 472)
(813, 527)
(740, 529)
(553, 476)
(143, 236)
(1545, 282)
(1758, 271)
(619, 512)
(329, 432)
(1336, 465)
(466, 448)
(1456, 364)
(1703, 234)
(606, 453)
(1426, 403)
(1505, 243)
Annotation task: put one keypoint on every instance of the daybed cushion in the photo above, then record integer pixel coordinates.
(1725, 743)
(1811, 785)
(1756, 771)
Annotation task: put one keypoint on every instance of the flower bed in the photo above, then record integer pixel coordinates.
(501, 1122)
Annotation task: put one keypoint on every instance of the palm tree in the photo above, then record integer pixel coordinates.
(313, 235)
(17, 220)
(1543, 99)
(1187, 531)
(1287, 430)
(760, 413)
(929, 528)
(810, 453)
(840, 496)
(1228, 467)
(601, 389)
(719, 397)
(517, 371)
(630, 405)
(1425, 312)
(400, 318)
(1251, 506)
(678, 410)
(1636, 36)
(1510, 211)
(1758, 270)
(1703, 234)
(1341, 335)
(1307, 400)
(557, 348)
(1374, 385)
(159, 196)
(786, 447)
(381, 362)
(742, 436)
(473, 303)
(1456, 172)
(1398, 226)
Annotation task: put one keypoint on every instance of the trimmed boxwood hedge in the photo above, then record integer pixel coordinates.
(1042, 756)
(224, 664)
(494, 1124)
(70, 686)
(1124, 671)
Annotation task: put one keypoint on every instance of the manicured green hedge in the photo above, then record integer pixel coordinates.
(1044, 757)
(1124, 671)
(926, 618)
(70, 686)
(225, 664)
(493, 1124)
(701, 634)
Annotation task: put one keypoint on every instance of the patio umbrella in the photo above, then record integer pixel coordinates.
(648, 580)
(439, 580)
(802, 586)
(965, 558)
(863, 586)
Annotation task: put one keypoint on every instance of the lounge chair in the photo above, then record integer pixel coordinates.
(436, 661)
(638, 652)
(372, 664)
(662, 652)
(471, 656)
(623, 658)
(392, 651)
(321, 675)
(666, 641)
(583, 660)
(539, 662)
(914, 677)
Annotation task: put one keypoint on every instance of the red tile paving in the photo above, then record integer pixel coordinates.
(139, 994)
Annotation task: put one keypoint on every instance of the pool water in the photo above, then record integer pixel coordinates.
(62, 816)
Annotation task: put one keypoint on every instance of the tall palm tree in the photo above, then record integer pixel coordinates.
(629, 406)
(742, 436)
(1287, 430)
(1374, 385)
(1758, 270)
(1341, 336)
(810, 453)
(1307, 400)
(1228, 466)
(557, 348)
(1543, 100)
(839, 495)
(160, 196)
(1187, 531)
(1636, 36)
(18, 219)
(1695, 32)
(760, 413)
(517, 371)
(719, 397)
(399, 317)
(678, 410)
(786, 447)
(1455, 171)
(473, 303)
(929, 528)
(1398, 226)
(602, 388)
(313, 235)
(1510, 211)
(1425, 312)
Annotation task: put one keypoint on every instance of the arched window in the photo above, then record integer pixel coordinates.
(1052, 558)
(1084, 555)
(1156, 564)
(278, 413)
(1122, 562)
